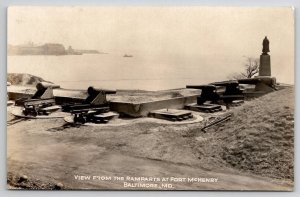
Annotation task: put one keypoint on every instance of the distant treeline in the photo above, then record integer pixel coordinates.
(46, 49)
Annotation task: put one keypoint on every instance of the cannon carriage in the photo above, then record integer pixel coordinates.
(210, 98)
(208, 94)
(93, 109)
(232, 95)
(41, 103)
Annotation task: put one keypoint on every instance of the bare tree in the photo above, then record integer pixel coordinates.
(251, 69)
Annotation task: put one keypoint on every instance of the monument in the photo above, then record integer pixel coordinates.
(264, 83)
(265, 60)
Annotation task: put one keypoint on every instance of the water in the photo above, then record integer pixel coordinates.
(115, 71)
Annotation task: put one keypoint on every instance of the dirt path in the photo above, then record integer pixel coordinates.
(48, 155)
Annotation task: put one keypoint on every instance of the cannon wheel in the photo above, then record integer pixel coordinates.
(25, 112)
(79, 119)
(34, 112)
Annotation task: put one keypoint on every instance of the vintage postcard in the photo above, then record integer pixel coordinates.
(150, 98)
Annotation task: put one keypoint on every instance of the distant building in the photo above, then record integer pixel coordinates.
(53, 49)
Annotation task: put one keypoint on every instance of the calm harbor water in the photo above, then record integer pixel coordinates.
(118, 72)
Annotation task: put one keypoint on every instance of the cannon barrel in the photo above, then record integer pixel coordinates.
(201, 87)
(45, 85)
(226, 83)
(92, 91)
(256, 80)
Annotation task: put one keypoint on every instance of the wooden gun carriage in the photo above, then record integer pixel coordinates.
(232, 91)
(210, 94)
(93, 108)
(41, 103)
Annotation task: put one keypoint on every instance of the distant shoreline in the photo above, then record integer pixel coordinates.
(47, 49)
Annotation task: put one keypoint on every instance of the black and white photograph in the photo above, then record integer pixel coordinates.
(190, 98)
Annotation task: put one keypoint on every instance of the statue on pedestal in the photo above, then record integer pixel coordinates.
(265, 49)
(265, 59)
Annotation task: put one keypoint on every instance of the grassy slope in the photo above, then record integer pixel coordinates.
(258, 139)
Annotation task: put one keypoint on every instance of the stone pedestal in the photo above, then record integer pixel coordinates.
(265, 65)
(265, 84)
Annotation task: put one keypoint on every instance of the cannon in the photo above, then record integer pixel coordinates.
(96, 99)
(42, 102)
(262, 83)
(232, 94)
(232, 87)
(93, 108)
(208, 93)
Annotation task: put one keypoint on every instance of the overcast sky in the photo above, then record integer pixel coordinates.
(184, 32)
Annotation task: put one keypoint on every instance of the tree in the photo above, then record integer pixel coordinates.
(251, 69)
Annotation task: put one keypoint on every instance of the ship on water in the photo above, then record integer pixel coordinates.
(126, 55)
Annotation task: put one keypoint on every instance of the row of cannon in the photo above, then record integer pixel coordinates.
(90, 110)
(96, 104)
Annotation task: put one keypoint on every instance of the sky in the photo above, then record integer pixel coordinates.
(214, 33)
